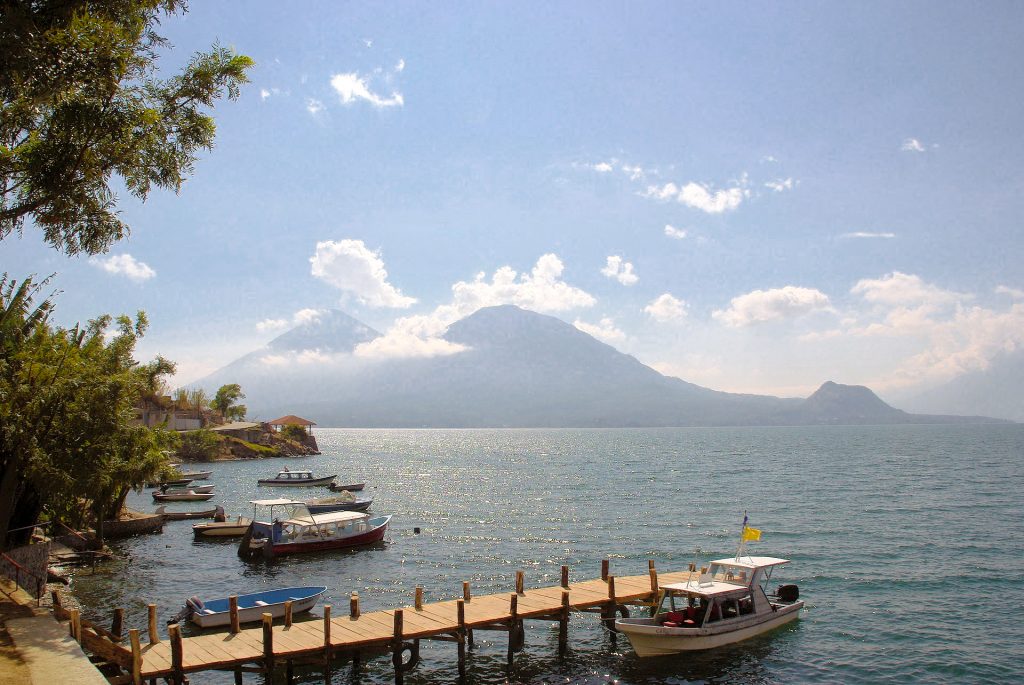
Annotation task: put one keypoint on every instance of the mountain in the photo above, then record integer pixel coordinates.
(519, 369)
(994, 391)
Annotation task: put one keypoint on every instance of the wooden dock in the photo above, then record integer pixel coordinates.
(264, 648)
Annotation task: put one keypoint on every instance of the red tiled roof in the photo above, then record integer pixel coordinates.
(291, 420)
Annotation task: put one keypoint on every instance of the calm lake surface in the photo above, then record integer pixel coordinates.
(906, 543)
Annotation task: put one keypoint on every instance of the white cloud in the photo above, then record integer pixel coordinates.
(264, 93)
(1015, 293)
(353, 268)
(867, 234)
(400, 67)
(540, 290)
(673, 232)
(912, 145)
(665, 308)
(779, 185)
(620, 270)
(635, 173)
(767, 305)
(268, 325)
(352, 87)
(307, 316)
(898, 288)
(769, 158)
(405, 345)
(604, 330)
(603, 167)
(314, 106)
(698, 196)
(124, 265)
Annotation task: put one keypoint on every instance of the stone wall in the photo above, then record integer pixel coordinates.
(33, 559)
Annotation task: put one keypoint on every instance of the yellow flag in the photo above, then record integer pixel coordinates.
(751, 534)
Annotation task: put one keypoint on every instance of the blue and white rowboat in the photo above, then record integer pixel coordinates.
(251, 607)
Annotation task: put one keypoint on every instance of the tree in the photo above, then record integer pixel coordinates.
(226, 402)
(68, 435)
(82, 102)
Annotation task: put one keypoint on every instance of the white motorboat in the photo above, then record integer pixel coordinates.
(726, 603)
(221, 529)
(251, 607)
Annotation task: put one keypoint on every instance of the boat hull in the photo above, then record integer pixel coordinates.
(195, 497)
(353, 487)
(358, 505)
(254, 612)
(650, 639)
(233, 529)
(297, 482)
(185, 515)
(198, 475)
(374, 534)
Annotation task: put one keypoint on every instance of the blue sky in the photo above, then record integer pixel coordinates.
(753, 197)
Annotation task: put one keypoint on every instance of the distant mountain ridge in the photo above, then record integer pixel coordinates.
(520, 369)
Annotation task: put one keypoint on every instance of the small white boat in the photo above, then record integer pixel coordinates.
(300, 478)
(197, 475)
(251, 607)
(726, 604)
(202, 489)
(221, 529)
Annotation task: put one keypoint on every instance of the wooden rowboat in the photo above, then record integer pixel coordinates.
(353, 487)
(186, 496)
(251, 607)
(185, 515)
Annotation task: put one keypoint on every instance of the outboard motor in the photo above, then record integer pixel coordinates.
(788, 593)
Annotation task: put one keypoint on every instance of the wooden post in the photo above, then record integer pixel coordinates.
(563, 624)
(154, 636)
(133, 635)
(353, 605)
(178, 673)
(693, 567)
(520, 582)
(513, 612)
(117, 625)
(654, 581)
(465, 590)
(396, 647)
(289, 675)
(604, 569)
(55, 596)
(565, 576)
(419, 598)
(327, 628)
(268, 646)
(233, 609)
(75, 625)
(460, 606)
(611, 587)
(288, 613)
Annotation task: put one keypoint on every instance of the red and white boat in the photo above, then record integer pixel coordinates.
(291, 529)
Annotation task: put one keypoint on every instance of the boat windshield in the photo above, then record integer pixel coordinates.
(729, 573)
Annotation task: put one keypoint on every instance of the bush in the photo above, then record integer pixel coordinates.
(199, 445)
(294, 433)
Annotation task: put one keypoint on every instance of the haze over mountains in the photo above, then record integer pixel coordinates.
(519, 369)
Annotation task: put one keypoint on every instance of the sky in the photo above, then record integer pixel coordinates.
(754, 197)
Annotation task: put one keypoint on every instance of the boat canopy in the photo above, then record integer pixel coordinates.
(287, 473)
(273, 502)
(751, 562)
(329, 517)
(706, 589)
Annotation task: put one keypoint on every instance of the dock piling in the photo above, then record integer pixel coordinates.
(133, 635)
(75, 625)
(178, 672)
(154, 636)
(288, 614)
(396, 647)
(460, 606)
(565, 576)
(465, 590)
(327, 629)
(353, 605)
(268, 646)
(419, 598)
(563, 624)
(604, 569)
(233, 611)
(520, 582)
(117, 625)
(654, 582)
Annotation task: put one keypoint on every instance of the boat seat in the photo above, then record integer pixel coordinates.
(260, 603)
(209, 611)
(674, 617)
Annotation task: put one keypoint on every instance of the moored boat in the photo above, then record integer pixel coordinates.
(183, 496)
(353, 487)
(251, 607)
(197, 475)
(202, 489)
(221, 529)
(293, 529)
(185, 515)
(178, 483)
(726, 603)
(296, 478)
(323, 505)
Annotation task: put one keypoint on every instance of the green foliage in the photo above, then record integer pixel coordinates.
(199, 445)
(67, 409)
(82, 101)
(226, 402)
(296, 433)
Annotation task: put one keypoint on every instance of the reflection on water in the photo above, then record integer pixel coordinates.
(883, 525)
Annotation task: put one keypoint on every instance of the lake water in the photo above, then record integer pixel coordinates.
(906, 543)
